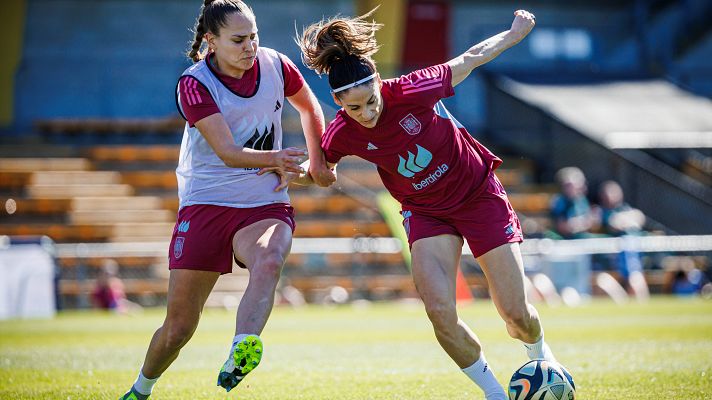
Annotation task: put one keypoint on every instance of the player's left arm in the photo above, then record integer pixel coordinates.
(489, 49)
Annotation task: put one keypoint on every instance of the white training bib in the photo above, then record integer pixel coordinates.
(255, 122)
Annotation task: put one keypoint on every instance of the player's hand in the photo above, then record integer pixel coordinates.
(289, 159)
(320, 173)
(523, 23)
(285, 178)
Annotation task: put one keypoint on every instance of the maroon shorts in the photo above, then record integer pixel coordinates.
(202, 237)
(486, 222)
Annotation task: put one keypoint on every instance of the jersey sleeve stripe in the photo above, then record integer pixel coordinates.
(437, 85)
(196, 92)
(185, 94)
(423, 82)
(330, 135)
(187, 91)
(331, 132)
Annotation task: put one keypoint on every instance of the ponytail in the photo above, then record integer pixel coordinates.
(341, 47)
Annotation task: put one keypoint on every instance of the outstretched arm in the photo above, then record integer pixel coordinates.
(487, 50)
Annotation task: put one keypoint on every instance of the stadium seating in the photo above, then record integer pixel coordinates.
(127, 194)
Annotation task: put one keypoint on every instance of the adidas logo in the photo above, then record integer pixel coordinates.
(371, 146)
(277, 106)
(261, 141)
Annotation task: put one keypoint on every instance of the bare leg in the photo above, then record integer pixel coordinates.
(612, 287)
(639, 286)
(435, 261)
(504, 270)
(263, 248)
(187, 292)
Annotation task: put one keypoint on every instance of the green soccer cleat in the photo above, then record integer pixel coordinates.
(246, 356)
(133, 395)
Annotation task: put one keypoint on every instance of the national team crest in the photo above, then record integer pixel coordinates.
(411, 124)
(178, 247)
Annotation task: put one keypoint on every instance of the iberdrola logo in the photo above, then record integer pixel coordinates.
(415, 162)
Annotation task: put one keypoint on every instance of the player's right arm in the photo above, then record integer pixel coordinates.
(489, 49)
(304, 178)
(216, 132)
(333, 150)
(200, 110)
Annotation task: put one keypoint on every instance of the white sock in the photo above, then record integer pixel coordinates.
(144, 385)
(539, 350)
(482, 375)
(238, 338)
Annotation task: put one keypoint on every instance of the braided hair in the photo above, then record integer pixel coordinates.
(213, 16)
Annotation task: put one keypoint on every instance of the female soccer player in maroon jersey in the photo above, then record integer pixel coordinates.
(443, 178)
(232, 100)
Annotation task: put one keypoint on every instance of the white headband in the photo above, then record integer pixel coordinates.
(358, 82)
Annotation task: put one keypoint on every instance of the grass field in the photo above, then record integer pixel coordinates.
(660, 350)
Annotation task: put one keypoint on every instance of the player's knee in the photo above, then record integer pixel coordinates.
(442, 314)
(178, 334)
(269, 266)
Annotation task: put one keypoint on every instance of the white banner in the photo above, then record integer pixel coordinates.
(26, 282)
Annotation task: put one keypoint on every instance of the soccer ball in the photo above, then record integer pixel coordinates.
(541, 380)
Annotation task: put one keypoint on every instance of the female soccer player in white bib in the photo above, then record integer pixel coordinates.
(232, 100)
(443, 178)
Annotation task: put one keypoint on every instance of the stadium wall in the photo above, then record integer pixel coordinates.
(114, 58)
(122, 58)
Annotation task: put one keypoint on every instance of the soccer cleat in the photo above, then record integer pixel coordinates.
(133, 395)
(245, 357)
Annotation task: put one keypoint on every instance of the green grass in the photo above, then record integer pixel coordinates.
(660, 350)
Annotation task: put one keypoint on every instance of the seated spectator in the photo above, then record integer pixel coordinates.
(108, 294)
(621, 220)
(685, 276)
(571, 212)
(687, 283)
(617, 217)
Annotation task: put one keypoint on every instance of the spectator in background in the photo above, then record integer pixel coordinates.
(109, 290)
(571, 212)
(108, 294)
(687, 283)
(617, 217)
(621, 220)
(687, 276)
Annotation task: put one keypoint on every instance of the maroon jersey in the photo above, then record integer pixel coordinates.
(197, 103)
(426, 159)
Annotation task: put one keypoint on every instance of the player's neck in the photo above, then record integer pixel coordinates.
(225, 70)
